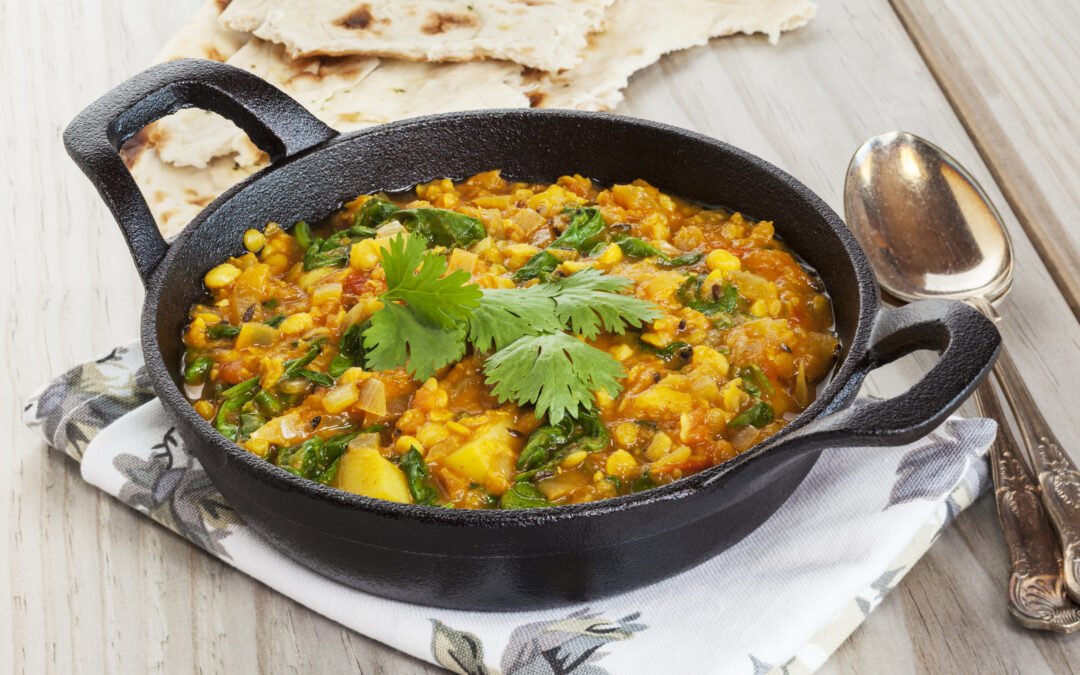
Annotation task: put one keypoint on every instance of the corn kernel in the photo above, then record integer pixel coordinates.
(430, 434)
(405, 443)
(759, 309)
(669, 461)
(254, 240)
(626, 434)
(713, 358)
(221, 276)
(297, 324)
(733, 395)
(571, 266)
(621, 352)
(658, 447)
(574, 458)
(774, 307)
(363, 255)
(620, 463)
(440, 415)
(516, 255)
(205, 409)
(722, 260)
(611, 256)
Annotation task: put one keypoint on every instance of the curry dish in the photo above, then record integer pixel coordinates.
(499, 344)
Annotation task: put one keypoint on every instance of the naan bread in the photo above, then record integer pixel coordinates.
(203, 37)
(346, 92)
(544, 34)
(177, 194)
(639, 32)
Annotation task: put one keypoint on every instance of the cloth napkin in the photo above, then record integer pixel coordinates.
(782, 599)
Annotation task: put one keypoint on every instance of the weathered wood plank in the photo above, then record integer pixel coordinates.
(1012, 73)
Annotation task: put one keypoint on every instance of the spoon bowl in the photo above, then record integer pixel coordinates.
(927, 227)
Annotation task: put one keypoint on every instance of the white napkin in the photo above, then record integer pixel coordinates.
(783, 598)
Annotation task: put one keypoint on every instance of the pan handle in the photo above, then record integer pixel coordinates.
(276, 123)
(968, 343)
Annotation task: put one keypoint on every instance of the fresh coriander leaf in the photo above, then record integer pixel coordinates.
(398, 336)
(445, 300)
(586, 229)
(757, 415)
(590, 300)
(505, 314)
(441, 227)
(540, 266)
(523, 496)
(557, 372)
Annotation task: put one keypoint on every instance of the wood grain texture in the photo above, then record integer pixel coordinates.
(1012, 72)
(88, 585)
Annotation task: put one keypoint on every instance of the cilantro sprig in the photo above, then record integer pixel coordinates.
(429, 318)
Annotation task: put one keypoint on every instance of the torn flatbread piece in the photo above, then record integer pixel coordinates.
(639, 32)
(544, 34)
(347, 92)
(203, 37)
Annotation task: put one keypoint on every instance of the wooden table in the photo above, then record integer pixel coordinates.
(89, 585)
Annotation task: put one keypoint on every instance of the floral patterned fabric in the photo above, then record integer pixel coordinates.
(822, 563)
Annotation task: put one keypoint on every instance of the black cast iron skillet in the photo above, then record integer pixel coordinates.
(502, 560)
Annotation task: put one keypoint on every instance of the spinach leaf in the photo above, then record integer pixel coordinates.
(644, 482)
(723, 298)
(540, 266)
(275, 320)
(675, 354)
(441, 227)
(235, 399)
(350, 350)
(316, 377)
(548, 445)
(222, 330)
(198, 369)
(418, 476)
(249, 422)
(268, 404)
(374, 212)
(315, 258)
(759, 377)
(586, 229)
(639, 248)
(294, 366)
(757, 415)
(302, 232)
(523, 496)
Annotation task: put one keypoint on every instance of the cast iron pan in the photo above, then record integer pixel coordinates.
(503, 560)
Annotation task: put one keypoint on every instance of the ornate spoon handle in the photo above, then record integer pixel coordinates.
(1037, 597)
(1058, 476)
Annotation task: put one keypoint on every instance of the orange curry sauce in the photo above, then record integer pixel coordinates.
(700, 385)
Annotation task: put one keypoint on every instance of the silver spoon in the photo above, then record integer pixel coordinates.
(930, 232)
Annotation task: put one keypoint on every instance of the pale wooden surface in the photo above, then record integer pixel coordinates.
(88, 585)
(1012, 72)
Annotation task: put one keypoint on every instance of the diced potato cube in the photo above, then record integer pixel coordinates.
(659, 446)
(340, 397)
(723, 261)
(460, 259)
(626, 434)
(366, 472)
(489, 457)
(620, 463)
(252, 333)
